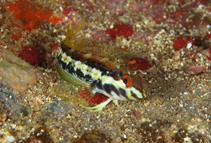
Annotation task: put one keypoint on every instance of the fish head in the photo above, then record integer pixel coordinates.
(134, 87)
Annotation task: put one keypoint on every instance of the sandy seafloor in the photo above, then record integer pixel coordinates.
(177, 107)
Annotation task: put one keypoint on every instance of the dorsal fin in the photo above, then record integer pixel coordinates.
(76, 39)
(74, 33)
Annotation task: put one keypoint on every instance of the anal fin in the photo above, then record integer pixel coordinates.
(82, 96)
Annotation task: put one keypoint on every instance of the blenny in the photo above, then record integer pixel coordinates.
(86, 62)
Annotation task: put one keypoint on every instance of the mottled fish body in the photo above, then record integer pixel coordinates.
(94, 71)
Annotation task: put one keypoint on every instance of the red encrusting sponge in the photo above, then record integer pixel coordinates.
(181, 42)
(120, 30)
(32, 55)
(209, 53)
(139, 64)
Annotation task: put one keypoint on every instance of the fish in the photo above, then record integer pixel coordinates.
(88, 63)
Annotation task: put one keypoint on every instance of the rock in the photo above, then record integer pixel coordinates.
(16, 72)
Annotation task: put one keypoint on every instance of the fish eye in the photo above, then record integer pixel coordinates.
(125, 81)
